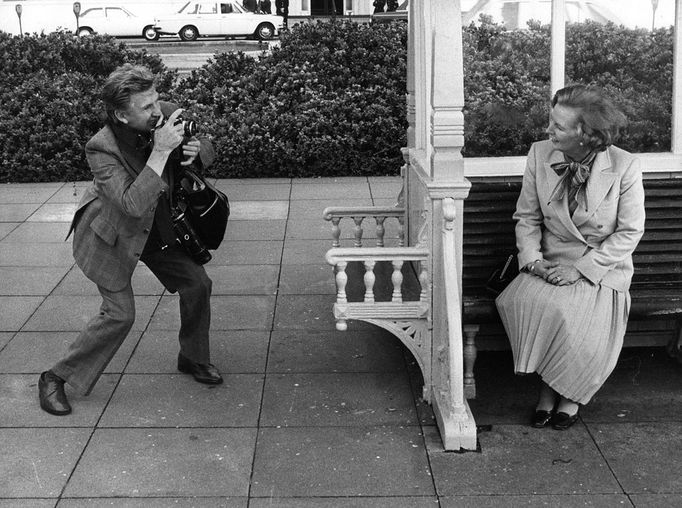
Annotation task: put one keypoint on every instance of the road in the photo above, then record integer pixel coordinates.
(185, 56)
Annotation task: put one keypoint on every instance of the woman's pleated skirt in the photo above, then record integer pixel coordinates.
(570, 335)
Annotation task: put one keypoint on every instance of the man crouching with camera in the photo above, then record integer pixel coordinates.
(124, 217)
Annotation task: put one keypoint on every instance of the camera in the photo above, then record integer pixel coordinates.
(188, 238)
(189, 126)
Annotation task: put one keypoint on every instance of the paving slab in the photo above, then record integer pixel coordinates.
(255, 230)
(305, 312)
(28, 502)
(156, 502)
(162, 400)
(232, 352)
(255, 191)
(70, 192)
(30, 281)
(7, 227)
(333, 351)
(19, 403)
(34, 352)
(54, 212)
(28, 192)
(656, 500)
(645, 457)
(341, 461)
(39, 232)
(17, 212)
(305, 252)
(313, 279)
(565, 501)
(5, 337)
(520, 460)
(385, 187)
(351, 190)
(248, 312)
(243, 252)
(38, 462)
(17, 310)
(259, 210)
(35, 254)
(165, 463)
(144, 283)
(74, 312)
(342, 399)
(345, 502)
(243, 279)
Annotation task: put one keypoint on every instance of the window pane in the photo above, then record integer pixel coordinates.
(608, 42)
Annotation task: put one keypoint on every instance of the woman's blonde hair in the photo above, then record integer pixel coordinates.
(600, 120)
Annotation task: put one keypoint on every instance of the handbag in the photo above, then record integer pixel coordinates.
(501, 277)
(207, 208)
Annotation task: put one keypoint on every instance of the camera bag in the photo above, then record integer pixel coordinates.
(206, 207)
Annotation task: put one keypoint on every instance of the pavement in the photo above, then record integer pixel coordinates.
(307, 416)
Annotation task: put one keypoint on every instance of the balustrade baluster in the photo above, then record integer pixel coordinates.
(370, 279)
(358, 231)
(424, 282)
(381, 230)
(336, 231)
(341, 281)
(397, 280)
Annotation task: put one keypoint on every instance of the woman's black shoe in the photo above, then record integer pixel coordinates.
(541, 419)
(563, 421)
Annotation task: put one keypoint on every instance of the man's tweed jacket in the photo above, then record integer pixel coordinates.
(114, 218)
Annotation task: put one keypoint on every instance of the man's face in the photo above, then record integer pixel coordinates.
(143, 111)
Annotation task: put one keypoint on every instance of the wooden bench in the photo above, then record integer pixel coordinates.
(656, 289)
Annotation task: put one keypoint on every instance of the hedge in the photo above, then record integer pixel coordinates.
(329, 101)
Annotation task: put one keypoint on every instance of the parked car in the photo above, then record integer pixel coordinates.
(228, 17)
(117, 21)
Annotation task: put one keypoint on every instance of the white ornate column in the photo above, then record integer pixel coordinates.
(676, 134)
(558, 46)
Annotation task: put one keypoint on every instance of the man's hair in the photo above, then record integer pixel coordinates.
(125, 81)
(600, 120)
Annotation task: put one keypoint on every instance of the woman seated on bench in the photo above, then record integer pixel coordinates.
(578, 218)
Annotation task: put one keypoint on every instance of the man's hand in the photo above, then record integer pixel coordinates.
(169, 136)
(190, 150)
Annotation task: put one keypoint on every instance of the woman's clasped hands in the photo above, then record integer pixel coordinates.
(555, 273)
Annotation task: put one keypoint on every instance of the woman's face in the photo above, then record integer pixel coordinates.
(565, 132)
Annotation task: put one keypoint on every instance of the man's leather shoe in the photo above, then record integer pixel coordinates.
(51, 394)
(563, 421)
(202, 372)
(541, 418)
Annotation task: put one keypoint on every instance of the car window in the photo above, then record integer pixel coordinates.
(207, 8)
(116, 13)
(92, 13)
(226, 8)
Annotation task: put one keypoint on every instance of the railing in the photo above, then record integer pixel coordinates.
(359, 214)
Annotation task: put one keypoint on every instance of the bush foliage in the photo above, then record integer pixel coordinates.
(330, 101)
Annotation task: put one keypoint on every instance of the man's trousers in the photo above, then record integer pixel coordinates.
(98, 342)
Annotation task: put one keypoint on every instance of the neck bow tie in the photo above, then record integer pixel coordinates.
(573, 176)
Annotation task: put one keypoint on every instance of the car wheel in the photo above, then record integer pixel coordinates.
(149, 33)
(265, 31)
(85, 31)
(189, 33)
